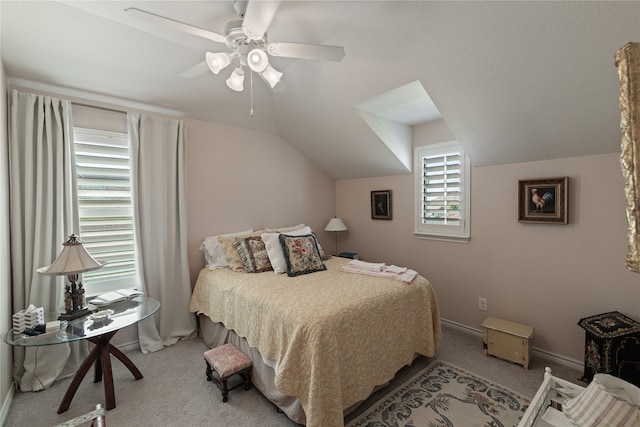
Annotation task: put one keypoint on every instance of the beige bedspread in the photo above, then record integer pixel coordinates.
(333, 335)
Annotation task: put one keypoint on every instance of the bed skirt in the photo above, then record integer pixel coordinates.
(263, 375)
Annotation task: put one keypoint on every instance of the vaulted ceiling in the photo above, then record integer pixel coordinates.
(514, 81)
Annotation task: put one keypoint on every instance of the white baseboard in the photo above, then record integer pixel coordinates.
(4, 411)
(543, 354)
(461, 327)
(133, 345)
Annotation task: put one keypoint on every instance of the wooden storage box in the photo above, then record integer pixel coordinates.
(507, 340)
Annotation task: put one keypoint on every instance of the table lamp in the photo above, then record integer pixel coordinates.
(335, 225)
(73, 260)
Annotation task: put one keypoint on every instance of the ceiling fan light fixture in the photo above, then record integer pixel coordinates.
(217, 61)
(271, 76)
(258, 60)
(236, 80)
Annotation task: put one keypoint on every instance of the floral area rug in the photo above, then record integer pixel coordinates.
(444, 395)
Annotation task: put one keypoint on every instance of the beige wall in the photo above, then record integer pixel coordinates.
(240, 179)
(6, 360)
(548, 276)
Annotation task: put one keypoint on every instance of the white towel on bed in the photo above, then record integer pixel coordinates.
(367, 266)
(395, 269)
(406, 276)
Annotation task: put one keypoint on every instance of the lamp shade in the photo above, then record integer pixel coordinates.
(258, 60)
(271, 76)
(73, 259)
(335, 224)
(236, 80)
(217, 61)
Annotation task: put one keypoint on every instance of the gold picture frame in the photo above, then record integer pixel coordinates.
(544, 200)
(381, 207)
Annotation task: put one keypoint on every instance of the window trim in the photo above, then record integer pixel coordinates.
(449, 233)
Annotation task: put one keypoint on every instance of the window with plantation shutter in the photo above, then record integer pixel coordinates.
(105, 208)
(442, 192)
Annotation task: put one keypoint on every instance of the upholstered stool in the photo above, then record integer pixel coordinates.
(226, 361)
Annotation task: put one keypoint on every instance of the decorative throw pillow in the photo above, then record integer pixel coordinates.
(301, 254)
(253, 253)
(596, 407)
(213, 253)
(231, 253)
(274, 249)
(322, 254)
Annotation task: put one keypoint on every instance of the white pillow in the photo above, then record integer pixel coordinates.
(274, 250)
(213, 253)
(619, 388)
(597, 407)
(285, 229)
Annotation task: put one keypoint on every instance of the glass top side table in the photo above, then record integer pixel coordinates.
(99, 332)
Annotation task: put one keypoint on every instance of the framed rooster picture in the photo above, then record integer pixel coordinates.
(544, 200)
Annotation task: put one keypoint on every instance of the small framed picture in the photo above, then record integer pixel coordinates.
(543, 200)
(381, 204)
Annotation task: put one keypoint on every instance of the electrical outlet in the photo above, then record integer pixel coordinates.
(482, 304)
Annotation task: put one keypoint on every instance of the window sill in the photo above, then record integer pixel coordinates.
(451, 239)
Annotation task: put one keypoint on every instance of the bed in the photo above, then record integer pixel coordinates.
(323, 342)
(606, 401)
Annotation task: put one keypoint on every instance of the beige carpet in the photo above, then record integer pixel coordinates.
(174, 390)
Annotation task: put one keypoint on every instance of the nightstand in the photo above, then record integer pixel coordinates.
(351, 255)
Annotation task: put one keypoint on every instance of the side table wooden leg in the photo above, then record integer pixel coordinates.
(97, 369)
(75, 383)
(109, 389)
(126, 361)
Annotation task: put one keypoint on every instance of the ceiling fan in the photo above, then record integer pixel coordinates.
(247, 40)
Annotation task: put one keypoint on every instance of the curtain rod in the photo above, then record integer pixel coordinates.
(113, 110)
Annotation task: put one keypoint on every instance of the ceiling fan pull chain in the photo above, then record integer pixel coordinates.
(251, 111)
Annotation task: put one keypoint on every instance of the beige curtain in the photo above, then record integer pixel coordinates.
(158, 164)
(628, 63)
(43, 215)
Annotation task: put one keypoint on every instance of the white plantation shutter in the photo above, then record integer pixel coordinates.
(105, 209)
(442, 191)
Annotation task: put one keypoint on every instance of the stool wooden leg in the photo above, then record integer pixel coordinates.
(209, 372)
(247, 379)
(225, 390)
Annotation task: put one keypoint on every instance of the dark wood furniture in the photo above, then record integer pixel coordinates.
(612, 346)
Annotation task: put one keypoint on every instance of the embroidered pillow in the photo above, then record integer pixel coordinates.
(301, 254)
(274, 249)
(253, 253)
(596, 407)
(231, 253)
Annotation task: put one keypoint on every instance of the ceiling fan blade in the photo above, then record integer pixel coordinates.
(258, 16)
(195, 71)
(306, 51)
(176, 25)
